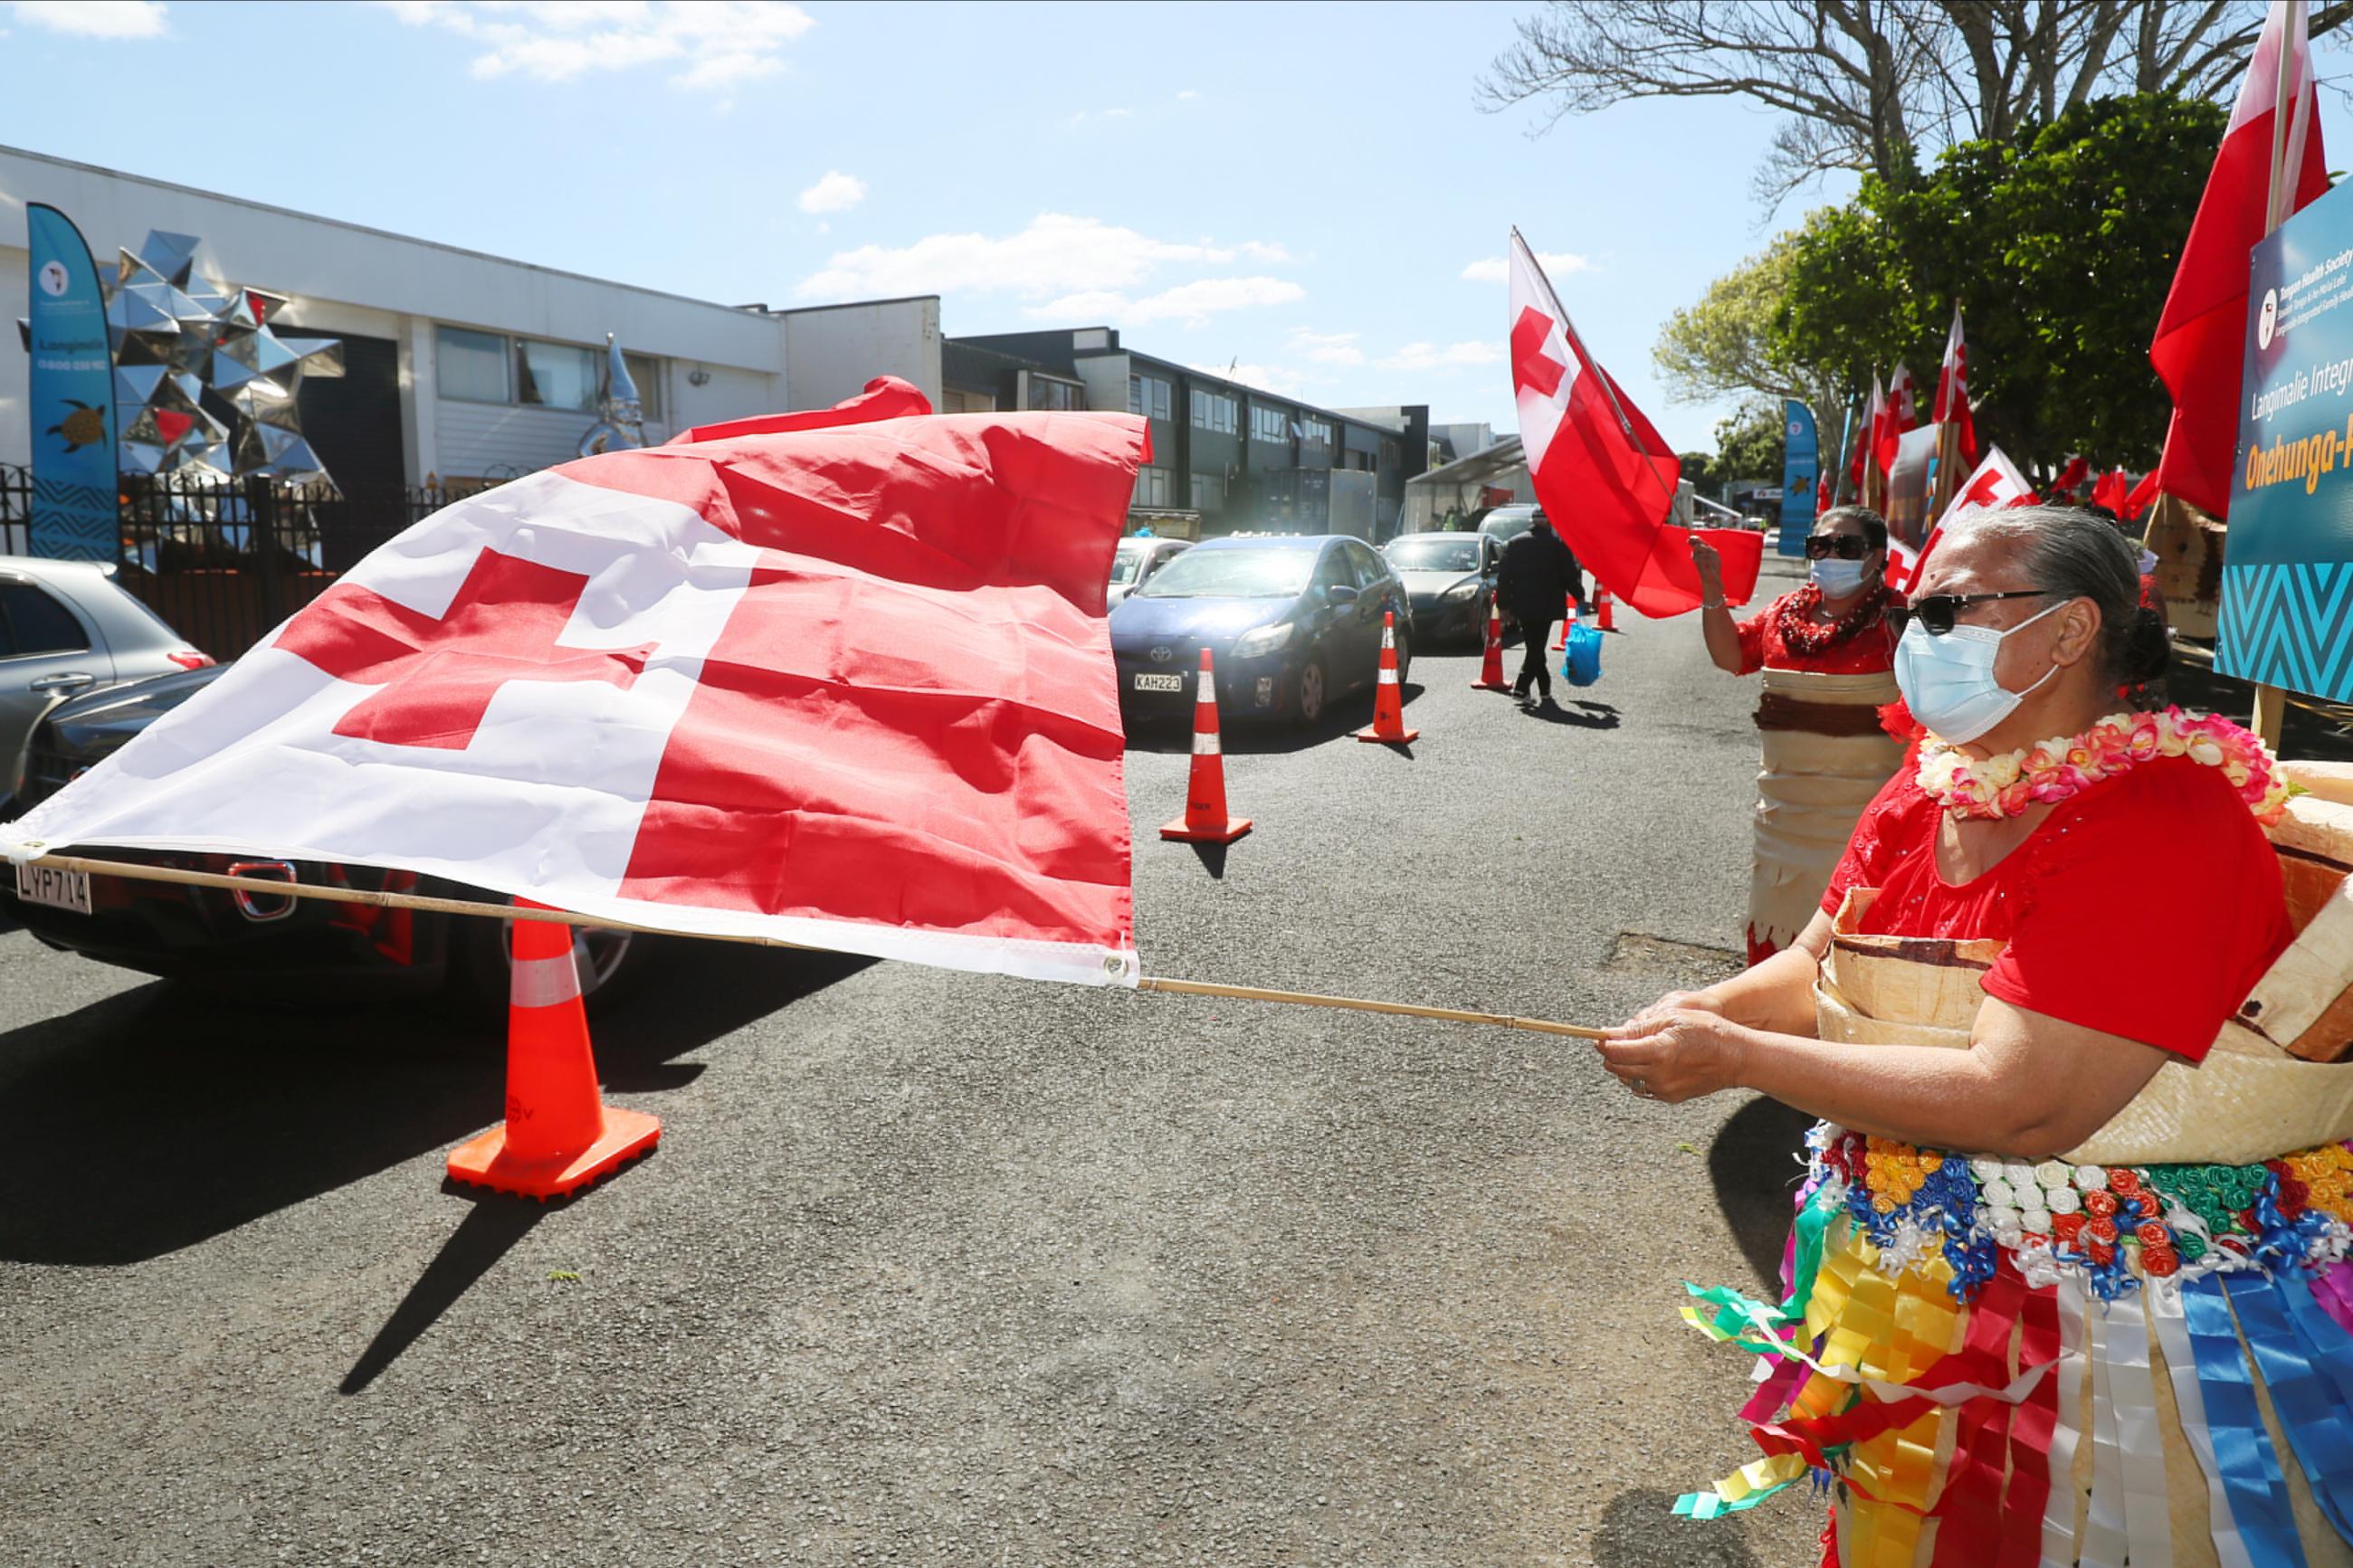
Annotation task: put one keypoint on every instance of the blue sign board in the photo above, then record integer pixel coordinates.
(1800, 472)
(72, 392)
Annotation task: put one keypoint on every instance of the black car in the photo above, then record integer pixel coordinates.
(1449, 581)
(273, 948)
(1291, 621)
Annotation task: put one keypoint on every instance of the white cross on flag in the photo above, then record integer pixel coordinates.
(840, 679)
(1605, 477)
(1994, 483)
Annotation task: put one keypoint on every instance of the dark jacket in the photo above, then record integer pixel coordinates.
(1539, 576)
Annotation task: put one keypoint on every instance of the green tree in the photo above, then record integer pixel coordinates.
(1725, 345)
(1751, 444)
(2060, 249)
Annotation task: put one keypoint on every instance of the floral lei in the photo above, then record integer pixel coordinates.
(1804, 634)
(2055, 770)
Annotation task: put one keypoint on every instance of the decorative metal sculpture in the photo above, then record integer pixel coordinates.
(620, 416)
(181, 339)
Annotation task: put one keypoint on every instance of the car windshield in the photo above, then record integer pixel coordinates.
(1456, 553)
(1125, 565)
(1272, 573)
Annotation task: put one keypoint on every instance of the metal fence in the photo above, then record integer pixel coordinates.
(224, 561)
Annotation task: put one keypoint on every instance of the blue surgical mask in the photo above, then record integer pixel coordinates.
(1837, 579)
(1948, 683)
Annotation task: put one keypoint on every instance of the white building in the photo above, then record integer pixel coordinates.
(461, 365)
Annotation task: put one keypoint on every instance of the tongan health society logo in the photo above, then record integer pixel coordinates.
(54, 280)
(2267, 322)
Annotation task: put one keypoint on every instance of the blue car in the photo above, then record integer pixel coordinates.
(1292, 623)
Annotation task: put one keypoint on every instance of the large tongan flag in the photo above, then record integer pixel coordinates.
(2199, 344)
(1994, 483)
(1605, 477)
(1866, 441)
(840, 679)
(1900, 417)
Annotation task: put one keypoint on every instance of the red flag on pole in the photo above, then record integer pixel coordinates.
(841, 678)
(2110, 491)
(2196, 351)
(2142, 494)
(1604, 476)
(1866, 446)
(1952, 404)
(1902, 414)
(2071, 477)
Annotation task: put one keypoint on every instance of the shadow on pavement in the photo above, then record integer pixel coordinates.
(1579, 714)
(165, 1116)
(1753, 1166)
(490, 1230)
(1343, 717)
(1640, 1530)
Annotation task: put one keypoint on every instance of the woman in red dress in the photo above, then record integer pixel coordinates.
(1826, 651)
(2035, 953)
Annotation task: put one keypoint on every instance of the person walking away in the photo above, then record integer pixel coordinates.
(1538, 578)
(1828, 653)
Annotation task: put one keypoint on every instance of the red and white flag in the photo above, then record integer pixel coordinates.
(2199, 348)
(1952, 404)
(839, 678)
(1995, 482)
(1900, 414)
(1604, 476)
(1866, 444)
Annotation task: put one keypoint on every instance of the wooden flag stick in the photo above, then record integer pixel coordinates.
(271, 888)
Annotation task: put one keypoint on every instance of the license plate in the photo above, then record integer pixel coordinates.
(57, 889)
(1160, 683)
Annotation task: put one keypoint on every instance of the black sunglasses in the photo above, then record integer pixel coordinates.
(1846, 546)
(1936, 612)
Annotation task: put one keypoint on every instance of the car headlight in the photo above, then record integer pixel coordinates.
(1264, 641)
(1461, 591)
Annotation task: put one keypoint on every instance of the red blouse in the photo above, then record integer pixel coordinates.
(1867, 652)
(2146, 907)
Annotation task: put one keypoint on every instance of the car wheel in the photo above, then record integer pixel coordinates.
(482, 948)
(1311, 693)
(1405, 659)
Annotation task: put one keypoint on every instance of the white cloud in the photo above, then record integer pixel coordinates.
(1555, 263)
(836, 193)
(1429, 356)
(1266, 377)
(1086, 116)
(1187, 96)
(1189, 304)
(1327, 348)
(710, 44)
(93, 18)
(1057, 256)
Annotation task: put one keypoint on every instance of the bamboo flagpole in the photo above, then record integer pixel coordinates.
(376, 899)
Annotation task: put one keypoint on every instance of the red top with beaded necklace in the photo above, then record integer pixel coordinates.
(2095, 898)
(1784, 636)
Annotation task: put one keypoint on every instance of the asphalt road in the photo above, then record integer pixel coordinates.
(935, 1268)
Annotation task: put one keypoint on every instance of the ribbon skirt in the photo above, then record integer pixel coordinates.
(1979, 1405)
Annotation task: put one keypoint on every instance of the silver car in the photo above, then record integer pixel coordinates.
(68, 627)
(1137, 559)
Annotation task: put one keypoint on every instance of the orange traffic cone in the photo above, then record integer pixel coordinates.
(1491, 668)
(1560, 638)
(1388, 698)
(1602, 619)
(558, 1136)
(1205, 820)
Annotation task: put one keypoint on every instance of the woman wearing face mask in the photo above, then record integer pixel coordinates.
(2053, 1137)
(1825, 650)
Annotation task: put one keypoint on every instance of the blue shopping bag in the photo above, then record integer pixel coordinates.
(1581, 665)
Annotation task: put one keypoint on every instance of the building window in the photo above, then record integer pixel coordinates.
(952, 400)
(1209, 492)
(1154, 487)
(1389, 453)
(471, 366)
(1147, 395)
(554, 375)
(1269, 425)
(1045, 391)
(1217, 412)
(1319, 432)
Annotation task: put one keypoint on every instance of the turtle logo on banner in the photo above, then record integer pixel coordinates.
(72, 395)
(1800, 468)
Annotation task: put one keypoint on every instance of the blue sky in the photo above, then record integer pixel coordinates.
(1307, 193)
